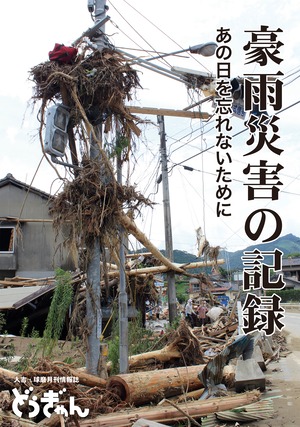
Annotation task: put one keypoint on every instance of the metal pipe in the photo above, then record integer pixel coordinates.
(123, 299)
(93, 290)
(153, 67)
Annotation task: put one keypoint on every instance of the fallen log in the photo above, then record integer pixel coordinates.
(164, 355)
(143, 387)
(9, 419)
(183, 344)
(195, 409)
(88, 379)
(83, 377)
(185, 414)
(8, 374)
(131, 228)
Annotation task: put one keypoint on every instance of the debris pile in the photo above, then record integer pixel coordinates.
(94, 88)
(189, 362)
(91, 207)
(173, 380)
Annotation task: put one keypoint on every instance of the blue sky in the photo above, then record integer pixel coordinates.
(29, 31)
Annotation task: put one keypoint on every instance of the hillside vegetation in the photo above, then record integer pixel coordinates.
(288, 244)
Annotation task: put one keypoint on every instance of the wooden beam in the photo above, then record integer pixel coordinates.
(168, 413)
(169, 112)
(13, 219)
(179, 268)
(138, 255)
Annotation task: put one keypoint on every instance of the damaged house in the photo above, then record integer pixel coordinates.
(29, 248)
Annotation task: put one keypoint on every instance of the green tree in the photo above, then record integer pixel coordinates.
(58, 310)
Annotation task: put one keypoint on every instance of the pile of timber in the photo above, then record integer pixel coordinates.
(121, 400)
(159, 265)
(18, 281)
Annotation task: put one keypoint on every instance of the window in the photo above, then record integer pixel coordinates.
(7, 239)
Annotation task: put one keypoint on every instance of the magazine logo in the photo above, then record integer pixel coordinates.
(50, 401)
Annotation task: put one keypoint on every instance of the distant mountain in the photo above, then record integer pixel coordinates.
(288, 244)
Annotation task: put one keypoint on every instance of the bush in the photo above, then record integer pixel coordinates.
(138, 341)
(287, 295)
(2, 322)
(61, 300)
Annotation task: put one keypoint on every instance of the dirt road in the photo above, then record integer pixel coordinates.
(283, 379)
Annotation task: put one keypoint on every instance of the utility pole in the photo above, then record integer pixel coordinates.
(93, 290)
(123, 300)
(167, 220)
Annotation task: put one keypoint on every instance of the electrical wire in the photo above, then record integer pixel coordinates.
(233, 136)
(165, 34)
(134, 29)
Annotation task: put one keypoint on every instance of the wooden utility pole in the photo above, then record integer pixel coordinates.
(172, 302)
(167, 220)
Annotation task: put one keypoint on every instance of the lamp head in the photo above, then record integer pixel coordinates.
(204, 49)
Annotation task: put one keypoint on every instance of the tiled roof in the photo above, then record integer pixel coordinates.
(9, 179)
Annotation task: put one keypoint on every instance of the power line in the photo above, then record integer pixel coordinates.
(165, 34)
(236, 134)
(195, 155)
(134, 29)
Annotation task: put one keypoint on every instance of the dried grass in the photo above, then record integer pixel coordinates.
(91, 205)
(184, 340)
(95, 88)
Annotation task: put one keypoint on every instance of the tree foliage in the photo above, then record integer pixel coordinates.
(58, 310)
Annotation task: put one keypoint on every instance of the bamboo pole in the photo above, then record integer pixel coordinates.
(138, 254)
(191, 395)
(168, 413)
(162, 268)
(131, 228)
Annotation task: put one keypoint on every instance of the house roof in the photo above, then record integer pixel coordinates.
(9, 179)
(291, 262)
(16, 297)
(291, 283)
(219, 289)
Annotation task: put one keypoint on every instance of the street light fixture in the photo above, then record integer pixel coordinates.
(204, 49)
